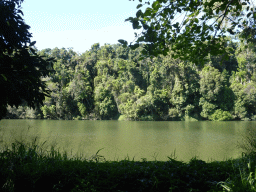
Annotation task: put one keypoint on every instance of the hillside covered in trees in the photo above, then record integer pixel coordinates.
(111, 82)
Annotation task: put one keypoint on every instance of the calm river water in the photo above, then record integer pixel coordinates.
(134, 139)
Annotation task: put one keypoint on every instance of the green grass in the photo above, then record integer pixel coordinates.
(30, 168)
(245, 181)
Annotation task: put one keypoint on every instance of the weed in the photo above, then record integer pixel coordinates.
(97, 157)
(245, 181)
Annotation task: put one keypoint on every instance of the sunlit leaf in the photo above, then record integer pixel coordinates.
(155, 5)
(148, 12)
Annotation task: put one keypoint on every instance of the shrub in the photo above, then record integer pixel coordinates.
(220, 115)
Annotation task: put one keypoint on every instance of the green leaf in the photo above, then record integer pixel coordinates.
(185, 22)
(135, 24)
(148, 12)
(33, 43)
(176, 25)
(4, 77)
(123, 42)
(33, 51)
(139, 13)
(19, 11)
(198, 29)
(129, 19)
(248, 15)
(223, 6)
(155, 5)
(52, 59)
(140, 39)
(134, 46)
(139, 6)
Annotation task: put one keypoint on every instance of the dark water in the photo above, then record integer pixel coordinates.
(134, 139)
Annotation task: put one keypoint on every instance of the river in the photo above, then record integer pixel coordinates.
(118, 140)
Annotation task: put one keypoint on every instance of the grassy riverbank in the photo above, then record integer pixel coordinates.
(30, 168)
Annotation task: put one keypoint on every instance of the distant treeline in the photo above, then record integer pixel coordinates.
(110, 82)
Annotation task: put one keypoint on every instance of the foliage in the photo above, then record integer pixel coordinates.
(188, 28)
(104, 103)
(220, 115)
(246, 181)
(49, 112)
(109, 81)
(217, 98)
(21, 67)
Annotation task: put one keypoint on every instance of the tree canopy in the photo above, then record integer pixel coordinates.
(21, 69)
(110, 82)
(192, 28)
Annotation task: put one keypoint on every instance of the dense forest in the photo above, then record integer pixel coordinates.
(112, 82)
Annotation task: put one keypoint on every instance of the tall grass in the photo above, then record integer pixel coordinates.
(246, 179)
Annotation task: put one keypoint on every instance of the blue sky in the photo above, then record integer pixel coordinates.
(78, 23)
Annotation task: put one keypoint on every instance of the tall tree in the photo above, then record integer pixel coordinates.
(21, 67)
